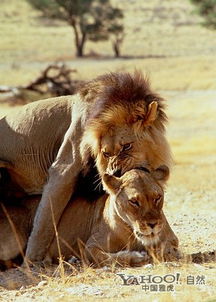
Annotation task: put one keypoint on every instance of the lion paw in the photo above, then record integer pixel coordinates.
(172, 253)
(74, 260)
(139, 258)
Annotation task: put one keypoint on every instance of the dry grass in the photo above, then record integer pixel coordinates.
(179, 73)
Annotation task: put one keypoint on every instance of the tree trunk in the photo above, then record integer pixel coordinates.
(79, 51)
(116, 49)
(80, 39)
(80, 47)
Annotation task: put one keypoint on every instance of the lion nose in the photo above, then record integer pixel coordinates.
(152, 225)
(117, 173)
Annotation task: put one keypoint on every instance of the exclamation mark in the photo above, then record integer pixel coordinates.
(177, 278)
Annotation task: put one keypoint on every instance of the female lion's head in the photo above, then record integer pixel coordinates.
(138, 198)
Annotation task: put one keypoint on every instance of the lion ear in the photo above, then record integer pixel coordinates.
(161, 173)
(151, 113)
(111, 183)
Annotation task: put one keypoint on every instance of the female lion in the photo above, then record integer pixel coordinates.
(115, 228)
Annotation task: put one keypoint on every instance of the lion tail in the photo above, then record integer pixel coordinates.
(202, 257)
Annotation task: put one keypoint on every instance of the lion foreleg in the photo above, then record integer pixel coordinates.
(100, 258)
(56, 194)
(170, 235)
(168, 244)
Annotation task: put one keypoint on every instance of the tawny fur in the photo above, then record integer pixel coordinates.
(114, 121)
(105, 230)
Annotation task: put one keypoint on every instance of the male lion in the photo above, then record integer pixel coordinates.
(115, 121)
(115, 228)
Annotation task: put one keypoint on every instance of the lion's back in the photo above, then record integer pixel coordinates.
(30, 138)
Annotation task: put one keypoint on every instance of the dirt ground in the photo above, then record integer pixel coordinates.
(190, 208)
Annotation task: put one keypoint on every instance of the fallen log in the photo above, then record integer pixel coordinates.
(54, 80)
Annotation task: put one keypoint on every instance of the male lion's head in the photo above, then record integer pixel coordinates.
(138, 200)
(125, 127)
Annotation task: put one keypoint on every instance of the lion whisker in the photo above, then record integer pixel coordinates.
(99, 186)
(98, 179)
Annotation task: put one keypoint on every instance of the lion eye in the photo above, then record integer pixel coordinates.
(134, 202)
(127, 147)
(106, 154)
